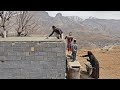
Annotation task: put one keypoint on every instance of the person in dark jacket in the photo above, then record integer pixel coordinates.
(95, 64)
(58, 32)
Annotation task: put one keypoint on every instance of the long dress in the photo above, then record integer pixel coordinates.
(69, 42)
(95, 65)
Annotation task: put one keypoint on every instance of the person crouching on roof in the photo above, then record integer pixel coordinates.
(58, 33)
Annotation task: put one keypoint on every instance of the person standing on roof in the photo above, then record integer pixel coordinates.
(69, 42)
(74, 50)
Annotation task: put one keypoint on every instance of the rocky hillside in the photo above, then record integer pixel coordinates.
(91, 32)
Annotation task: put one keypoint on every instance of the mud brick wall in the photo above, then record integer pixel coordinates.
(32, 60)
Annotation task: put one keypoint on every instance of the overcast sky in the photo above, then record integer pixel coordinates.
(86, 14)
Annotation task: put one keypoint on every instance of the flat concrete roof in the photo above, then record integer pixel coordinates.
(50, 39)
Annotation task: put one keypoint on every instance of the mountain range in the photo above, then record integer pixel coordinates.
(90, 33)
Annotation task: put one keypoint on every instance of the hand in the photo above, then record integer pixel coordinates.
(46, 37)
(88, 60)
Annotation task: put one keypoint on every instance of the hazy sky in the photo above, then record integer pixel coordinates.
(86, 14)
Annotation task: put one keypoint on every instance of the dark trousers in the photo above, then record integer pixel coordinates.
(74, 55)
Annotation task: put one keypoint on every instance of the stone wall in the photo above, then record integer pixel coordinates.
(36, 59)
